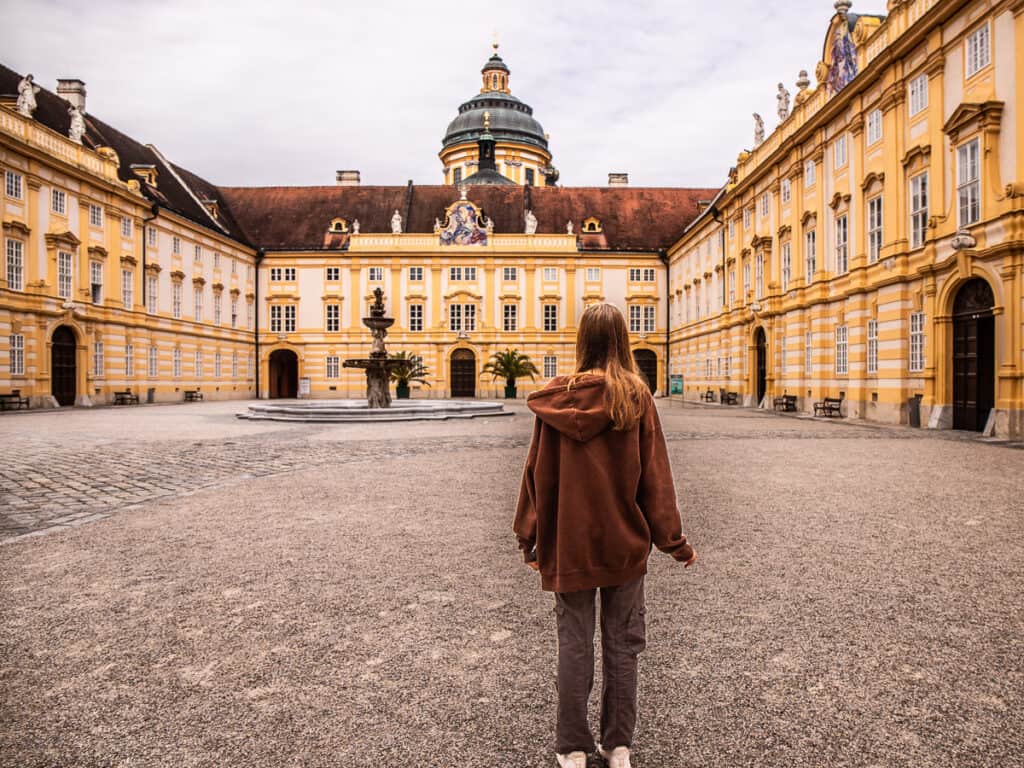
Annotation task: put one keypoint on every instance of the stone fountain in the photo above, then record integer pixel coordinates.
(378, 367)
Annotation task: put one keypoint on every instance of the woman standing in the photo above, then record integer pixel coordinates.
(597, 492)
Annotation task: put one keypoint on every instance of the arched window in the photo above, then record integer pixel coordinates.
(494, 82)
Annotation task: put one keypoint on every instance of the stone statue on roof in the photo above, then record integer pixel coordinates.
(396, 223)
(782, 98)
(758, 129)
(77, 129)
(355, 226)
(27, 91)
(568, 227)
(531, 223)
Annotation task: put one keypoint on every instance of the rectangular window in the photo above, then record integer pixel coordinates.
(550, 317)
(529, 177)
(13, 185)
(550, 274)
(968, 189)
(126, 228)
(759, 275)
(641, 275)
(732, 287)
(782, 354)
(151, 234)
(59, 201)
(917, 341)
(874, 229)
(177, 364)
(234, 312)
(872, 346)
(127, 288)
(634, 318)
(289, 318)
(509, 274)
(97, 359)
(234, 267)
(198, 304)
(455, 274)
(415, 274)
(95, 215)
(707, 368)
(96, 281)
(766, 204)
(840, 151)
(129, 360)
(650, 324)
(376, 274)
(470, 273)
(747, 216)
(918, 94)
(810, 255)
(333, 367)
(333, 274)
(810, 171)
(808, 353)
(216, 260)
(732, 229)
(550, 366)
(248, 314)
(64, 275)
(198, 253)
(456, 175)
(216, 309)
(248, 272)
(842, 245)
(197, 364)
(17, 344)
(275, 318)
(593, 274)
(333, 318)
(153, 363)
(282, 274)
(216, 364)
(978, 54)
(510, 317)
(176, 244)
(874, 126)
(786, 190)
(151, 294)
(250, 367)
(415, 317)
(746, 280)
(918, 210)
(842, 350)
(787, 265)
(234, 365)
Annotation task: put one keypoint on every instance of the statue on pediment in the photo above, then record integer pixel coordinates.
(77, 129)
(758, 129)
(27, 91)
(396, 223)
(782, 99)
(531, 223)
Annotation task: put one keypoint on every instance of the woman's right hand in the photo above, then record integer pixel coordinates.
(691, 561)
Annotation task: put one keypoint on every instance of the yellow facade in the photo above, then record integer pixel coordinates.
(824, 242)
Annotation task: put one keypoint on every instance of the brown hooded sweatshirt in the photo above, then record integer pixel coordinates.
(593, 499)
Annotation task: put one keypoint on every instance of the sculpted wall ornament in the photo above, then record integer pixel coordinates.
(531, 223)
(464, 225)
(782, 100)
(396, 223)
(27, 91)
(803, 83)
(77, 129)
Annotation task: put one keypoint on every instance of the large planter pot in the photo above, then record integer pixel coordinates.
(402, 391)
(510, 392)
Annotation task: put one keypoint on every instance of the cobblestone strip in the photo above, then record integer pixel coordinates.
(47, 487)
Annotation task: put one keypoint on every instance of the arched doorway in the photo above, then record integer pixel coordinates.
(284, 373)
(647, 365)
(463, 373)
(974, 353)
(761, 364)
(63, 370)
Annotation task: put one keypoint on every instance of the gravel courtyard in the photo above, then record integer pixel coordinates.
(180, 588)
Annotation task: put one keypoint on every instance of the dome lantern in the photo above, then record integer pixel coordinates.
(495, 74)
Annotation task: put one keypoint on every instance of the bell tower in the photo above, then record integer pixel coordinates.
(495, 74)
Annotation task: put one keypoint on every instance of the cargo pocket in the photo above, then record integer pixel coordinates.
(636, 629)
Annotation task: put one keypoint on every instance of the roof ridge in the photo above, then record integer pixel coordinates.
(152, 148)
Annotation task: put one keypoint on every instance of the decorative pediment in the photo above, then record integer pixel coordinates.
(177, 275)
(199, 281)
(718, 268)
(745, 252)
(97, 252)
(838, 199)
(871, 179)
(550, 296)
(66, 239)
(696, 281)
(707, 275)
(414, 297)
(333, 297)
(17, 228)
(510, 296)
(464, 293)
(153, 268)
(761, 243)
(987, 115)
(784, 231)
(464, 224)
(808, 217)
(921, 151)
(127, 260)
(687, 287)
(234, 293)
(217, 287)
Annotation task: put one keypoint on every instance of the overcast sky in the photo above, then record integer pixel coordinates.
(263, 92)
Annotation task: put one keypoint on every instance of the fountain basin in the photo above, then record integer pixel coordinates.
(335, 411)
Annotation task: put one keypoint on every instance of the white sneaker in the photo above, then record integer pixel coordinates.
(572, 760)
(617, 758)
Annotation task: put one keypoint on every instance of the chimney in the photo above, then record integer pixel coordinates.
(73, 91)
(618, 179)
(347, 178)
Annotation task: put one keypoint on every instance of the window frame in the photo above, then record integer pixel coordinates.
(95, 216)
(919, 214)
(16, 358)
(969, 185)
(970, 56)
(916, 362)
(874, 126)
(810, 173)
(842, 360)
(842, 244)
(415, 274)
(65, 274)
(14, 185)
(98, 359)
(60, 195)
(332, 367)
(332, 318)
(872, 347)
(375, 274)
(416, 317)
(917, 95)
(510, 317)
(810, 254)
(510, 274)
(787, 263)
(550, 319)
(128, 289)
(875, 228)
(840, 155)
(153, 362)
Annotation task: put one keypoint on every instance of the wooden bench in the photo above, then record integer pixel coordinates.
(13, 400)
(126, 398)
(830, 406)
(785, 403)
(708, 397)
(192, 395)
(730, 398)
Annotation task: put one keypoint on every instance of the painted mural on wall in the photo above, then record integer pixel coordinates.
(464, 225)
(843, 67)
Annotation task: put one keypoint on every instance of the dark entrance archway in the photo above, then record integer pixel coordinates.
(63, 370)
(761, 364)
(462, 369)
(284, 373)
(647, 365)
(974, 353)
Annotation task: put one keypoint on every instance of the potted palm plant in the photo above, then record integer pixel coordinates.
(510, 365)
(412, 369)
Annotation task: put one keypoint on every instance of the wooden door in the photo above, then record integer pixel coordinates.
(762, 364)
(284, 374)
(973, 371)
(63, 372)
(463, 373)
(647, 365)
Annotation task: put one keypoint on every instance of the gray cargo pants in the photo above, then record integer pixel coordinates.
(623, 637)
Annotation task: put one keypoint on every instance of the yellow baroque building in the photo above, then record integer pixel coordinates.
(871, 247)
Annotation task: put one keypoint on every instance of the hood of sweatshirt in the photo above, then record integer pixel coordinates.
(577, 412)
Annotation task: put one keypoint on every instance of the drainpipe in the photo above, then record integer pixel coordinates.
(717, 216)
(256, 316)
(154, 210)
(663, 256)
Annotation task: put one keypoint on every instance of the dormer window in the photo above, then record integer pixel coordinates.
(592, 225)
(339, 226)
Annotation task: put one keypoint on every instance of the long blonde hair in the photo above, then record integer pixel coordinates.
(602, 342)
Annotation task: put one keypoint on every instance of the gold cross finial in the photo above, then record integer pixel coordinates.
(495, 43)
(487, 121)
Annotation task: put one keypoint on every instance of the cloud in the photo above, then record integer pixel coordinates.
(263, 92)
